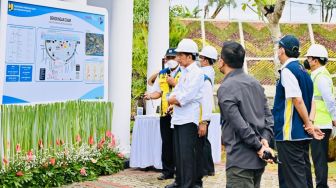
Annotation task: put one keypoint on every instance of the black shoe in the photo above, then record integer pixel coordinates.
(165, 177)
(171, 185)
(198, 186)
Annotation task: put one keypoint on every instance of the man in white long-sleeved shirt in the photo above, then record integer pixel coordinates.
(325, 110)
(205, 167)
(186, 98)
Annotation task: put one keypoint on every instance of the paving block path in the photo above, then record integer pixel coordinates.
(130, 178)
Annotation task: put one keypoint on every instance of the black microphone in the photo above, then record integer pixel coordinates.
(168, 72)
(268, 155)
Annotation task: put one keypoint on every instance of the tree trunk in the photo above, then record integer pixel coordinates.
(322, 11)
(206, 10)
(217, 11)
(276, 35)
(274, 27)
(326, 16)
(331, 14)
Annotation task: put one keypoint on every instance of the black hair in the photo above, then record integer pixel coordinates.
(322, 60)
(294, 52)
(233, 54)
(193, 56)
(211, 61)
(170, 57)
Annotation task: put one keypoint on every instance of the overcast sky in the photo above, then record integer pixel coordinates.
(293, 12)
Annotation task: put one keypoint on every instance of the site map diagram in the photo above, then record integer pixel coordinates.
(57, 58)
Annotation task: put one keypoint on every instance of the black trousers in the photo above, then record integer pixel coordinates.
(167, 155)
(185, 137)
(204, 160)
(209, 166)
(319, 151)
(295, 166)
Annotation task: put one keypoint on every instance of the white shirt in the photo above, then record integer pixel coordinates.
(156, 85)
(188, 94)
(210, 72)
(289, 81)
(325, 85)
(207, 93)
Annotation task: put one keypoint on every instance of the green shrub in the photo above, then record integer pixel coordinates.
(258, 41)
(301, 32)
(140, 56)
(230, 32)
(62, 165)
(326, 35)
(262, 71)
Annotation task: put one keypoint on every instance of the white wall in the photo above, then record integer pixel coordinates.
(158, 42)
(120, 65)
(77, 1)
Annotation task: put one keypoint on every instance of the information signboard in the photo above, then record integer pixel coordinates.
(53, 51)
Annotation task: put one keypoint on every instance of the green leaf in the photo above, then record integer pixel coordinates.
(244, 6)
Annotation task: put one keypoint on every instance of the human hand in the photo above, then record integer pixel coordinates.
(315, 132)
(170, 109)
(173, 101)
(261, 152)
(309, 127)
(318, 134)
(170, 81)
(147, 96)
(264, 142)
(202, 129)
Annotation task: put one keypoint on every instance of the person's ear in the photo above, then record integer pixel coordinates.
(190, 57)
(281, 51)
(314, 61)
(220, 63)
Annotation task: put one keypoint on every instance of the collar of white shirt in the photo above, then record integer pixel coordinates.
(208, 70)
(318, 70)
(190, 67)
(287, 62)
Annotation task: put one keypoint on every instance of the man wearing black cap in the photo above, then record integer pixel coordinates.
(293, 130)
(164, 83)
(170, 55)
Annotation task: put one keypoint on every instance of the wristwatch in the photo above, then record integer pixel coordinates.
(204, 122)
(311, 121)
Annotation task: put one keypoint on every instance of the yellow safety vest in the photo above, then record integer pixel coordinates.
(166, 88)
(322, 115)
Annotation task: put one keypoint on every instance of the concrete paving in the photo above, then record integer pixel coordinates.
(130, 178)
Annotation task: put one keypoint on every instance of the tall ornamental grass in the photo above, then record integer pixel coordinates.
(33, 127)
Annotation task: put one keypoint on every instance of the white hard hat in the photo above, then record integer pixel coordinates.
(209, 52)
(188, 46)
(317, 50)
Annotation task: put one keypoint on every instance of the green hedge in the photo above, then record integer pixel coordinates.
(258, 41)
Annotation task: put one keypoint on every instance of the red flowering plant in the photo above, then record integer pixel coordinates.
(53, 167)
